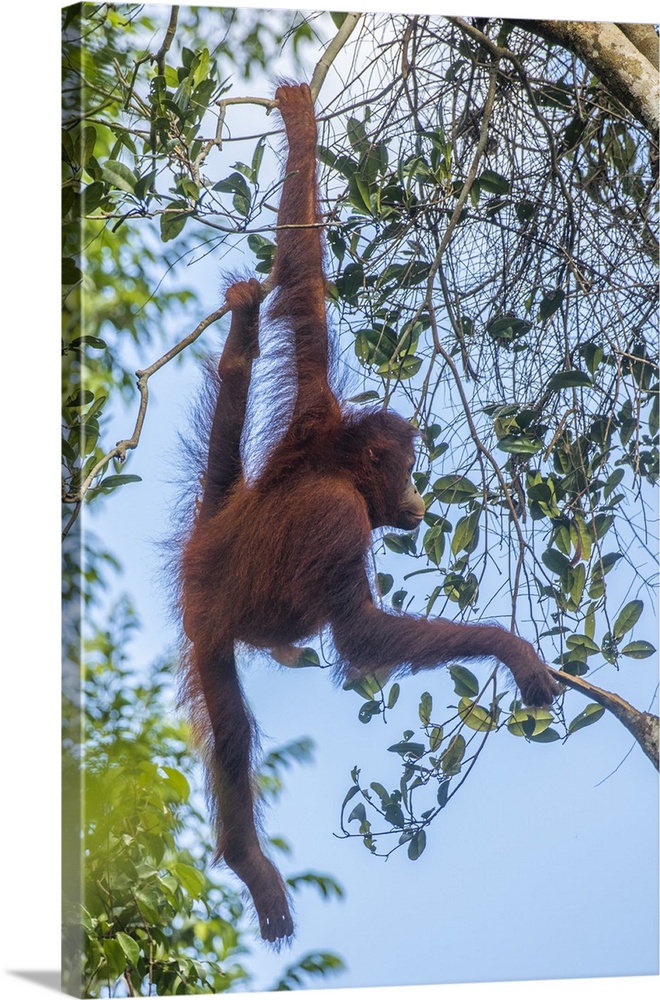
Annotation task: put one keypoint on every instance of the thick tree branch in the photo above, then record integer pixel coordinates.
(642, 725)
(644, 37)
(623, 68)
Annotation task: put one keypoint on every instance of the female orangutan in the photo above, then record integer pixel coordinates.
(272, 561)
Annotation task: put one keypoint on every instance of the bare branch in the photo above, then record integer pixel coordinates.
(167, 40)
(332, 51)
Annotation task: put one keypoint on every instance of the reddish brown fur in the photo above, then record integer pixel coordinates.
(271, 562)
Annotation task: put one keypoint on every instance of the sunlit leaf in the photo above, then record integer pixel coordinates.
(592, 713)
(638, 650)
(425, 708)
(475, 717)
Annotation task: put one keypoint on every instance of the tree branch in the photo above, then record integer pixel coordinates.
(334, 48)
(627, 72)
(128, 444)
(644, 37)
(167, 41)
(643, 725)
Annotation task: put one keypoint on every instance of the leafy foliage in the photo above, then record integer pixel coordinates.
(155, 920)
(436, 760)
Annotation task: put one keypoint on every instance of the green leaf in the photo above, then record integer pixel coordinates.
(366, 685)
(192, 880)
(466, 533)
(368, 710)
(359, 193)
(308, 657)
(115, 957)
(171, 224)
(435, 738)
(91, 197)
(494, 183)
(592, 713)
(234, 183)
(394, 814)
(343, 164)
(130, 948)
(404, 368)
(475, 717)
(517, 444)
(400, 543)
(416, 845)
(613, 482)
(393, 696)
(627, 618)
(466, 684)
(578, 580)
(454, 489)
(555, 96)
(583, 642)
(638, 650)
(87, 140)
(111, 482)
(381, 792)
(119, 175)
(359, 813)
(425, 708)
(550, 303)
(453, 755)
(525, 210)
(517, 724)
(434, 544)
(295, 657)
(144, 183)
(404, 748)
(71, 273)
(365, 397)
(547, 736)
(351, 793)
(443, 793)
(178, 781)
(555, 561)
(356, 134)
(505, 329)
(568, 380)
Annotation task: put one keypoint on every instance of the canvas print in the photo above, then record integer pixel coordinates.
(360, 452)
